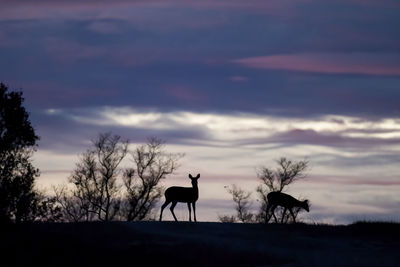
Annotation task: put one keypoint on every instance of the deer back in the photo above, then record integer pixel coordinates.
(182, 194)
(282, 199)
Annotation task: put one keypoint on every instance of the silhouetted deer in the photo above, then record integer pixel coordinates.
(187, 195)
(286, 201)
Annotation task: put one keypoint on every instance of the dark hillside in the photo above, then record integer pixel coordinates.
(200, 244)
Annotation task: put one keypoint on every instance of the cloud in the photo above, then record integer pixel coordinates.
(6, 41)
(68, 51)
(54, 95)
(243, 128)
(144, 52)
(40, 9)
(334, 63)
(333, 139)
(338, 176)
(353, 179)
(238, 79)
(45, 8)
(186, 94)
(105, 27)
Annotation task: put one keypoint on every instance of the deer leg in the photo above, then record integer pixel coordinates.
(267, 213)
(190, 212)
(194, 210)
(283, 215)
(163, 207)
(273, 213)
(294, 218)
(172, 209)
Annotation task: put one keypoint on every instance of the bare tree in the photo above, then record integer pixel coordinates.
(73, 209)
(95, 193)
(227, 218)
(46, 208)
(152, 164)
(277, 181)
(99, 189)
(242, 203)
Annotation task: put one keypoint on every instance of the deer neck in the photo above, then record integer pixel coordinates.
(299, 204)
(195, 187)
(305, 205)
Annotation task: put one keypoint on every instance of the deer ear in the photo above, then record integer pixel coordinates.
(198, 176)
(190, 176)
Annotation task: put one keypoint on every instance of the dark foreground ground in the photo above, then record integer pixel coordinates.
(200, 244)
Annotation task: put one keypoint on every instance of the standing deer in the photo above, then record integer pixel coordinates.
(286, 201)
(187, 195)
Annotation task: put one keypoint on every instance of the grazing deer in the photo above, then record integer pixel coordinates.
(287, 202)
(187, 195)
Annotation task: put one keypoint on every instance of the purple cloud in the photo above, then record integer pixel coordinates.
(351, 180)
(238, 79)
(334, 63)
(331, 139)
(69, 52)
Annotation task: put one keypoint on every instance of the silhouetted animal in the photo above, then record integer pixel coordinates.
(187, 195)
(286, 201)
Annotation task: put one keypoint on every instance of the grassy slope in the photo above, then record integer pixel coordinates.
(200, 244)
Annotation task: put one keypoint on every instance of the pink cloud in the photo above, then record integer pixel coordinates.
(351, 180)
(339, 63)
(184, 93)
(104, 27)
(238, 79)
(88, 8)
(28, 9)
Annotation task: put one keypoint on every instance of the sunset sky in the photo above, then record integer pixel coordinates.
(233, 84)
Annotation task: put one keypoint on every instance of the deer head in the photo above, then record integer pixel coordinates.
(306, 205)
(194, 179)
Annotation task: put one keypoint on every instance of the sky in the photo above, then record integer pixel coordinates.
(233, 84)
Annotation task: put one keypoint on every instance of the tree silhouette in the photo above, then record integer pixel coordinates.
(17, 174)
(95, 191)
(100, 189)
(46, 208)
(277, 181)
(152, 164)
(242, 204)
(227, 218)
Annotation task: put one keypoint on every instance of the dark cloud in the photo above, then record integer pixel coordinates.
(379, 160)
(60, 130)
(328, 139)
(383, 180)
(180, 56)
